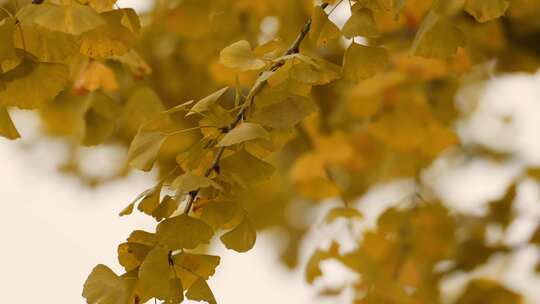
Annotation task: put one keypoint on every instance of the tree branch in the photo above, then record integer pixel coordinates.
(293, 49)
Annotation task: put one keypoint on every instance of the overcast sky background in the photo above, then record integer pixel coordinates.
(54, 230)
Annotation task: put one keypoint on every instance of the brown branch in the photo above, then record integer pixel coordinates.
(294, 49)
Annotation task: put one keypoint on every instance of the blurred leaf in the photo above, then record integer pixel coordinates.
(240, 56)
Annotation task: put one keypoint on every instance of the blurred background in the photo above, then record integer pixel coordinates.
(54, 228)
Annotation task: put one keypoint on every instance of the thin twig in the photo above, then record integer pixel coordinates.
(294, 49)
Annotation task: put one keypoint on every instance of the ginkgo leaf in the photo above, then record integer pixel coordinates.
(7, 49)
(202, 265)
(248, 167)
(46, 45)
(154, 275)
(486, 291)
(437, 38)
(486, 10)
(361, 23)
(200, 291)
(150, 199)
(142, 237)
(242, 133)
(219, 214)
(131, 255)
(127, 210)
(136, 64)
(72, 18)
(240, 56)
(101, 5)
(144, 149)
(285, 114)
(166, 208)
(242, 238)
(142, 108)
(31, 84)
(103, 286)
(361, 62)
(115, 37)
(342, 212)
(313, 269)
(322, 29)
(7, 128)
(183, 232)
(206, 103)
(188, 182)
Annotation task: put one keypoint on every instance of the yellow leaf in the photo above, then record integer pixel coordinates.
(7, 49)
(131, 255)
(189, 182)
(114, 38)
(361, 62)
(46, 45)
(31, 84)
(144, 149)
(101, 5)
(136, 64)
(341, 212)
(218, 214)
(206, 103)
(361, 23)
(486, 291)
(202, 265)
(166, 208)
(313, 269)
(150, 199)
(322, 29)
(242, 133)
(183, 232)
(142, 237)
(309, 175)
(246, 166)
(285, 114)
(142, 107)
(103, 286)
(241, 238)
(154, 279)
(200, 291)
(71, 19)
(240, 56)
(7, 129)
(486, 10)
(437, 37)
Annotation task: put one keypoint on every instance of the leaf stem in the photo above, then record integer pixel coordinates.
(293, 49)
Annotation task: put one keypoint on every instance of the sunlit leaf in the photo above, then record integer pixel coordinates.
(361, 23)
(206, 103)
(322, 29)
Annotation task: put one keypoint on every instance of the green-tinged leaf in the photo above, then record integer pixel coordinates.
(437, 38)
(7, 49)
(486, 10)
(322, 29)
(144, 149)
(183, 232)
(72, 19)
(202, 265)
(242, 238)
(200, 291)
(243, 132)
(248, 167)
(361, 23)
(340, 212)
(7, 128)
(240, 56)
(188, 182)
(361, 62)
(218, 214)
(154, 275)
(32, 84)
(206, 103)
(285, 114)
(150, 199)
(103, 286)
